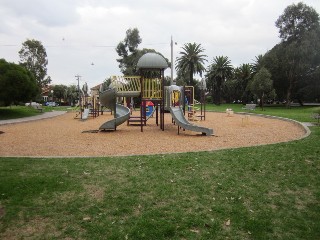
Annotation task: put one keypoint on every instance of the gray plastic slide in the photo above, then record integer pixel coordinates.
(85, 114)
(122, 113)
(179, 118)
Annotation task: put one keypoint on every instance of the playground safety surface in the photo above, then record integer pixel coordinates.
(62, 136)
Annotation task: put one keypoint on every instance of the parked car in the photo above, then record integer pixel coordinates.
(33, 104)
(52, 104)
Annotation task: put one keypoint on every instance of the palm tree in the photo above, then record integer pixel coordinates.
(218, 72)
(243, 74)
(257, 64)
(191, 60)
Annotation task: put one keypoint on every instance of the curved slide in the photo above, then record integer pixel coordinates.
(179, 118)
(122, 113)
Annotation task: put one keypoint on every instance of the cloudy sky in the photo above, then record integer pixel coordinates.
(77, 33)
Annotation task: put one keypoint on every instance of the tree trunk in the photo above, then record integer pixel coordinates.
(300, 102)
(191, 76)
(218, 97)
(213, 95)
(218, 93)
(290, 75)
(288, 98)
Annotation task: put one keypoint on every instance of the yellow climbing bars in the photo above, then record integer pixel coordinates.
(151, 87)
(126, 84)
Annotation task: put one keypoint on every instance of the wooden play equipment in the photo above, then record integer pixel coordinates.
(178, 113)
(148, 90)
(152, 89)
(88, 104)
(191, 102)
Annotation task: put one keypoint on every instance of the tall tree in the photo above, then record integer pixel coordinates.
(17, 84)
(262, 86)
(299, 55)
(128, 51)
(129, 54)
(243, 74)
(257, 64)
(311, 88)
(72, 94)
(191, 60)
(217, 73)
(296, 20)
(273, 62)
(181, 78)
(231, 91)
(59, 92)
(33, 56)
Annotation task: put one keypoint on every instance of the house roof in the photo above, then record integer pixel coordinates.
(96, 87)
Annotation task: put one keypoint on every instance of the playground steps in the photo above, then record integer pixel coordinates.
(192, 116)
(135, 121)
(94, 112)
(192, 113)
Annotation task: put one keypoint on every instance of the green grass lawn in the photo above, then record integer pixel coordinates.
(264, 192)
(17, 112)
(14, 112)
(302, 114)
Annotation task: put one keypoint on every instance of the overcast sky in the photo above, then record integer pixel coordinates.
(79, 33)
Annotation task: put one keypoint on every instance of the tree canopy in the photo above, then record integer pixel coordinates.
(294, 63)
(191, 60)
(296, 59)
(296, 20)
(60, 92)
(17, 84)
(261, 85)
(217, 73)
(33, 57)
(129, 53)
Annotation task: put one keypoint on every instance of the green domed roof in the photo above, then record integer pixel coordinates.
(152, 61)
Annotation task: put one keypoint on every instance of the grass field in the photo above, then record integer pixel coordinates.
(302, 114)
(265, 192)
(14, 112)
(17, 112)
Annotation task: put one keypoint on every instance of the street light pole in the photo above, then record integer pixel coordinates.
(52, 95)
(78, 78)
(172, 81)
(52, 98)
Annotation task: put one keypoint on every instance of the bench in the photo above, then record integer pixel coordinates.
(250, 106)
(38, 107)
(316, 116)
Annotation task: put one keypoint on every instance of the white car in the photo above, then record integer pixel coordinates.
(33, 104)
(52, 104)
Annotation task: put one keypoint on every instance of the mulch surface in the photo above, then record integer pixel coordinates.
(64, 136)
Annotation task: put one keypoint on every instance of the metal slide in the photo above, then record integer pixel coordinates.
(179, 118)
(122, 113)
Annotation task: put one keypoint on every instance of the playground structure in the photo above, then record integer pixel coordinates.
(148, 90)
(177, 111)
(88, 105)
(191, 103)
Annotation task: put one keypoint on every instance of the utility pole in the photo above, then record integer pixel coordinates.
(171, 61)
(173, 82)
(80, 105)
